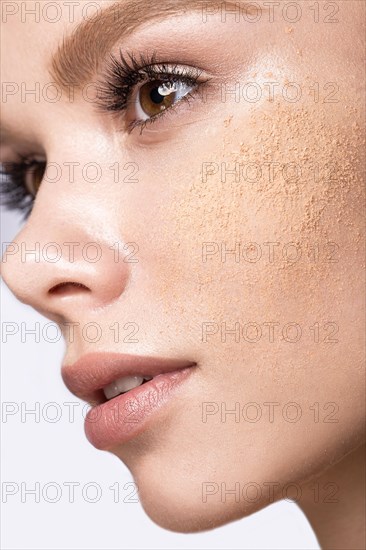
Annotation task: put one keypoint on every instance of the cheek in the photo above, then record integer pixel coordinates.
(289, 210)
(288, 295)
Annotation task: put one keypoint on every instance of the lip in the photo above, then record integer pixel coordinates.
(113, 422)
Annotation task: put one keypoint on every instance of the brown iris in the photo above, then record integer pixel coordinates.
(152, 101)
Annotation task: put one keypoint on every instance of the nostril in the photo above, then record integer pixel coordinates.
(63, 289)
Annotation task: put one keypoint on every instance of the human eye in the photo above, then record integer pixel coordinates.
(20, 182)
(145, 89)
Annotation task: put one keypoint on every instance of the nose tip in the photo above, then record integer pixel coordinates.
(70, 285)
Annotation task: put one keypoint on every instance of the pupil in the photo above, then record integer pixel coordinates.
(155, 96)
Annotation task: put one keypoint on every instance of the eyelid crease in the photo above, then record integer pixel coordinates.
(141, 67)
(78, 57)
(125, 72)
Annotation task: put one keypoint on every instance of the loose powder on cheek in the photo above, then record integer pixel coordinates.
(300, 181)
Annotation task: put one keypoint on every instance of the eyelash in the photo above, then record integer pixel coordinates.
(13, 191)
(125, 72)
(122, 75)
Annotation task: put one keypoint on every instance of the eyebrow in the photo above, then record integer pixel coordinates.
(79, 55)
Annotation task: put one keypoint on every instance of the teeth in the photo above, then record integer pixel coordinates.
(122, 385)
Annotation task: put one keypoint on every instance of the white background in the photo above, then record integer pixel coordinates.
(58, 453)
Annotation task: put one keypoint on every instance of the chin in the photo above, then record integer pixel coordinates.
(180, 484)
(179, 509)
(174, 494)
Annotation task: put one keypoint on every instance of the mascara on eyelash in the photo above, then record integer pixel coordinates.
(126, 71)
(14, 195)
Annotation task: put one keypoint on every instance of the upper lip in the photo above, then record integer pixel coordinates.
(87, 377)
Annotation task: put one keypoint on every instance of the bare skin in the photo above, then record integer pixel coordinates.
(276, 247)
(341, 524)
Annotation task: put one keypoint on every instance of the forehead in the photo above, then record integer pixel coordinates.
(32, 31)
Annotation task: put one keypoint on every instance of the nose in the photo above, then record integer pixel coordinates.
(65, 269)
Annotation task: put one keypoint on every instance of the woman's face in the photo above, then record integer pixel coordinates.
(224, 206)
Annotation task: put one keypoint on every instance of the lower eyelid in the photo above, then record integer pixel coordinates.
(140, 126)
(128, 71)
(204, 82)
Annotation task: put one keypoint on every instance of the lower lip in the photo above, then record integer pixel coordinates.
(123, 417)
